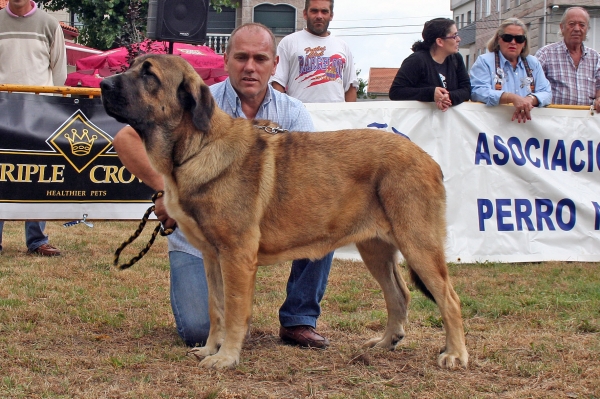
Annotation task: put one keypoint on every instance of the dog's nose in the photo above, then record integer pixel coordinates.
(107, 85)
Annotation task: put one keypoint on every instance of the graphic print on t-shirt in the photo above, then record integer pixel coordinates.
(319, 69)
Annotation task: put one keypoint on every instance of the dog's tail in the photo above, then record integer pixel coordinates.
(420, 285)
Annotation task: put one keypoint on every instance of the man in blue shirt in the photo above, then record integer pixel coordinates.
(508, 74)
(250, 60)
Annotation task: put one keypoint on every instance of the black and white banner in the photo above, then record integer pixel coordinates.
(516, 192)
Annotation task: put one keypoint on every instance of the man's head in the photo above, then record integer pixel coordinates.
(20, 7)
(251, 60)
(574, 26)
(318, 14)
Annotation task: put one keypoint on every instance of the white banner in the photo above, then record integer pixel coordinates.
(515, 192)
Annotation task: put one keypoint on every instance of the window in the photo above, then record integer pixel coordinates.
(281, 18)
(457, 22)
(488, 7)
(221, 22)
(469, 17)
(467, 61)
(462, 20)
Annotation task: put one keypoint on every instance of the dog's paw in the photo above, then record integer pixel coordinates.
(384, 342)
(453, 361)
(219, 362)
(200, 353)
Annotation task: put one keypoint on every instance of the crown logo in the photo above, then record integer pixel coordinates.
(81, 144)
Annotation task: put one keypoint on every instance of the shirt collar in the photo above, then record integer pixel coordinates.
(584, 50)
(30, 13)
(236, 103)
(504, 61)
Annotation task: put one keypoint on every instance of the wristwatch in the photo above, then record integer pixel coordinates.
(532, 96)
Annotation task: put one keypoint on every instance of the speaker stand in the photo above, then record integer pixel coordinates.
(170, 47)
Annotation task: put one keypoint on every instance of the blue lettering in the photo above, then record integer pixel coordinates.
(499, 145)
(542, 215)
(576, 167)
(559, 158)
(482, 151)
(545, 152)
(532, 142)
(520, 158)
(597, 213)
(501, 214)
(590, 156)
(484, 213)
(523, 210)
(570, 205)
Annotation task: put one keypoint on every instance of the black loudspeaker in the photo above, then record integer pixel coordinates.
(182, 21)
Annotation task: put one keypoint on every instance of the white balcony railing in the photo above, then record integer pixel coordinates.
(217, 42)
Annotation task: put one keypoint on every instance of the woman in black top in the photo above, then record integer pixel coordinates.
(435, 72)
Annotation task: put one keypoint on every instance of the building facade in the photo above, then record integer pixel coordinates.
(477, 20)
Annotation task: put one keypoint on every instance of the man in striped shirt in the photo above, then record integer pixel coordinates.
(572, 68)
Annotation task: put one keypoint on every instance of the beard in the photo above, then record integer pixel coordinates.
(317, 30)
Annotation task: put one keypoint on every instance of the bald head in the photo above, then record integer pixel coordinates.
(253, 27)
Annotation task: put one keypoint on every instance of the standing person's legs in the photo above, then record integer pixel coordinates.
(37, 241)
(299, 313)
(189, 297)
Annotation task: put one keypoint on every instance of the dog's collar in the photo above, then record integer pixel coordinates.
(271, 129)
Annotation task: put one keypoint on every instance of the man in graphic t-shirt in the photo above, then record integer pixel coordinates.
(314, 66)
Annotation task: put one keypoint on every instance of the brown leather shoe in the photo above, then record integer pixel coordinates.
(46, 250)
(305, 336)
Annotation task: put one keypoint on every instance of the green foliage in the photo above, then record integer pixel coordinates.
(362, 87)
(109, 23)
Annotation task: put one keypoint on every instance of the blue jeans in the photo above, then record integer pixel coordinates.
(305, 289)
(189, 295)
(34, 234)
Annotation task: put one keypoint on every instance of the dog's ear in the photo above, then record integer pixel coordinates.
(198, 99)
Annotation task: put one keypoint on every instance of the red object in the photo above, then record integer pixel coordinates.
(91, 70)
(75, 52)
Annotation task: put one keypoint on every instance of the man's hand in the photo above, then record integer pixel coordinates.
(161, 214)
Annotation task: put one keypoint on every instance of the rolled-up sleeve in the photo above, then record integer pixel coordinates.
(482, 81)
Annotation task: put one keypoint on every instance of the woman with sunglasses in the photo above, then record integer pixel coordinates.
(508, 74)
(435, 72)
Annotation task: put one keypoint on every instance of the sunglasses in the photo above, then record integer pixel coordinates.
(509, 38)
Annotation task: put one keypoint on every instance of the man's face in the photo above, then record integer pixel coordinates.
(511, 50)
(251, 63)
(19, 7)
(575, 27)
(318, 16)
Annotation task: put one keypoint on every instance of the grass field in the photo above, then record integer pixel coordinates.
(75, 327)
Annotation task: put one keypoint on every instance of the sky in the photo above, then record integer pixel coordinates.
(380, 33)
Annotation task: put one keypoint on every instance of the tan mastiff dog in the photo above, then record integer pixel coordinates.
(246, 197)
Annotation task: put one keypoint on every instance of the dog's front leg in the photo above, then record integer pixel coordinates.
(216, 334)
(239, 275)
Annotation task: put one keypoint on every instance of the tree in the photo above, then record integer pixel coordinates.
(111, 23)
(362, 87)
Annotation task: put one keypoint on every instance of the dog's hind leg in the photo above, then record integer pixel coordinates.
(430, 272)
(381, 258)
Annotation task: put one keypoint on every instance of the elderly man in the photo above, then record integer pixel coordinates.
(572, 68)
(250, 60)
